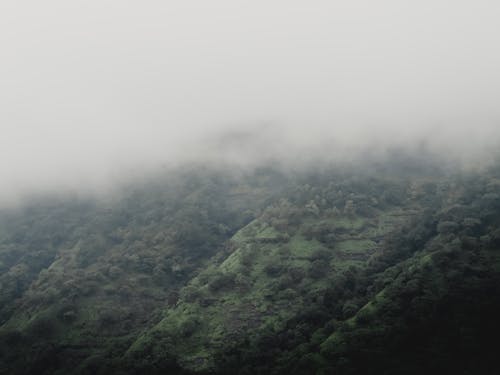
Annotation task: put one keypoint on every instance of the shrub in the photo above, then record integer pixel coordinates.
(221, 281)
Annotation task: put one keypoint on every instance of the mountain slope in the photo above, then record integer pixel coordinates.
(324, 271)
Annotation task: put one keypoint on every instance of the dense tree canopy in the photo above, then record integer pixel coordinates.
(335, 270)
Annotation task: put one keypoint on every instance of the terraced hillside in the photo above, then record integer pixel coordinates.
(269, 277)
(265, 272)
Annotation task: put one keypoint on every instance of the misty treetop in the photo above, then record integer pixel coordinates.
(351, 271)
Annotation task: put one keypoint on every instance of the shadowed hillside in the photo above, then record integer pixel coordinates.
(382, 268)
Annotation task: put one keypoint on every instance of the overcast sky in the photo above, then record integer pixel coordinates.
(89, 88)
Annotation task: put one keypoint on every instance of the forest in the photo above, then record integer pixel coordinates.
(388, 267)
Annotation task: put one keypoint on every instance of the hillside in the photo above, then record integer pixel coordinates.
(382, 268)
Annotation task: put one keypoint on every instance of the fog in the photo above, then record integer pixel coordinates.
(92, 90)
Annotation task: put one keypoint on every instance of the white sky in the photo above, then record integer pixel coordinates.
(88, 88)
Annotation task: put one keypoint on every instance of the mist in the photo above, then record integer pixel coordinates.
(92, 91)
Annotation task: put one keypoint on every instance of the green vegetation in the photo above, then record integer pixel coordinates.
(333, 271)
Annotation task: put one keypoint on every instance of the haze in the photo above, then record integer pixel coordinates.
(92, 89)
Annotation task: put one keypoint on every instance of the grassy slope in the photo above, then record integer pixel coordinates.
(187, 277)
(116, 267)
(259, 301)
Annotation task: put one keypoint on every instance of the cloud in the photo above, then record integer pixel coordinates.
(92, 88)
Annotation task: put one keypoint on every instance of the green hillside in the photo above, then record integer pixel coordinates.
(362, 270)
